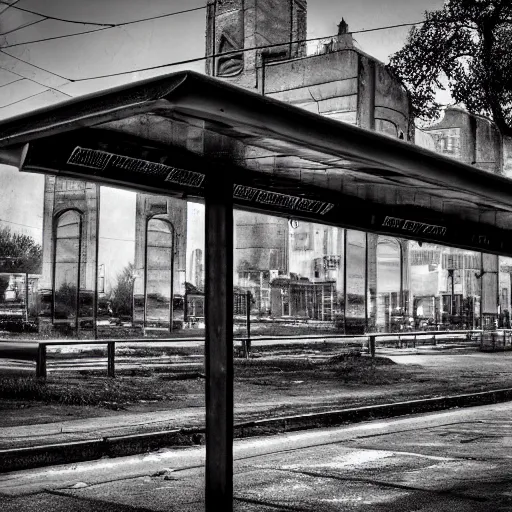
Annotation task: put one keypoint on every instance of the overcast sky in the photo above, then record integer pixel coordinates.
(151, 43)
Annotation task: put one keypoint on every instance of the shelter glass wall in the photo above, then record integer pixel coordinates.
(356, 282)
(389, 285)
(159, 261)
(67, 267)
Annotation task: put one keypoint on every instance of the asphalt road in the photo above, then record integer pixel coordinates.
(454, 461)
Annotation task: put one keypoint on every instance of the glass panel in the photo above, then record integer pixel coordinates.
(159, 272)
(356, 281)
(505, 281)
(116, 269)
(444, 287)
(389, 315)
(67, 263)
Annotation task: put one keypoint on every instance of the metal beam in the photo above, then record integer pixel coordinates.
(219, 342)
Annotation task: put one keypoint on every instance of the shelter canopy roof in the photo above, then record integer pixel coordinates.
(164, 135)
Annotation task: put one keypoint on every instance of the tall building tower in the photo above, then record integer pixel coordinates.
(246, 25)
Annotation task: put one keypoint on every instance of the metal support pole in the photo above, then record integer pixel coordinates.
(171, 305)
(219, 342)
(372, 346)
(452, 301)
(41, 362)
(111, 353)
(248, 323)
(145, 312)
(26, 296)
(345, 246)
(79, 282)
(97, 251)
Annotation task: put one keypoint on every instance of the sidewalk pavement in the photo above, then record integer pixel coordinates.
(452, 461)
(90, 439)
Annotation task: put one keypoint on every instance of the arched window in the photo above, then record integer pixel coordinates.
(159, 272)
(66, 270)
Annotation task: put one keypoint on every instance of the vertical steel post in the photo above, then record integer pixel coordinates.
(372, 345)
(79, 281)
(41, 362)
(248, 323)
(345, 245)
(171, 305)
(366, 288)
(219, 341)
(97, 251)
(111, 354)
(26, 296)
(145, 312)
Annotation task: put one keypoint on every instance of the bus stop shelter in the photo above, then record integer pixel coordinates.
(198, 138)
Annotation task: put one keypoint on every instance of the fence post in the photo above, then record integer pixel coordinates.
(372, 345)
(434, 340)
(414, 341)
(41, 362)
(248, 323)
(111, 354)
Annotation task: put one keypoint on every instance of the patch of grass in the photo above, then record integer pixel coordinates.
(345, 369)
(101, 392)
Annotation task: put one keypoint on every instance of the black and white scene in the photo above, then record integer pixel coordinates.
(255, 255)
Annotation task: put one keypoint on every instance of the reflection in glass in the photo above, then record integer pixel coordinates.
(67, 267)
(388, 313)
(505, 281)
(159, 272)
(355, 307)
(445, 286)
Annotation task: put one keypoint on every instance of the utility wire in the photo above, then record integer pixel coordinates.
(12, 4)
(18, 224)
(197, 59)
(24, 99)
(21, 27)
(57, 37)
(104, 26)
(231, 52)
(173, 14)
(35, 81)
(13, 82)
(54, 18)
(35, 66)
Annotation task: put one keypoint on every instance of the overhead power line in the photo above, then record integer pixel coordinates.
(54, 18)
(18, 224)
(106, 26)
(35, 66)
(24, 99)
(35, 81)
(13, 82)
(21, 27)
(12, 4)
(199, 59)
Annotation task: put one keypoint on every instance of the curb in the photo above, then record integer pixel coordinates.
(17, 459)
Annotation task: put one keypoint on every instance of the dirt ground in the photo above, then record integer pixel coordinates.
(274, 382)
